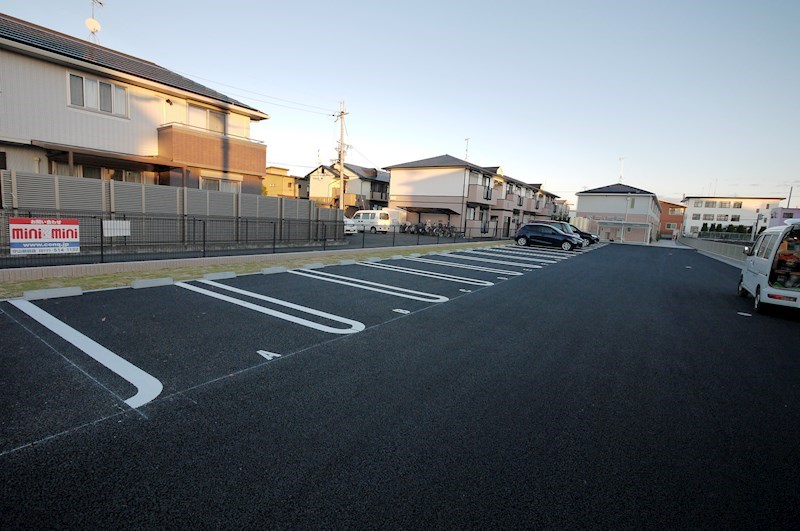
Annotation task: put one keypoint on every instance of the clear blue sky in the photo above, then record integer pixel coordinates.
(700, 96)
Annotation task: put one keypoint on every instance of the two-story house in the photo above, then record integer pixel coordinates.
(70, 107)
(365, 188)
(619, 213)
(476, 199)
(278, 183)
(671, 223)
(753, 213)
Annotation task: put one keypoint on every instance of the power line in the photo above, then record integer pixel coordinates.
(326, 111)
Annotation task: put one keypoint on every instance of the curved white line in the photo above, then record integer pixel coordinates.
(355, 326)
(515, 256)
(430, 274)
(464, 266)
(364, 284)
(487, 260)
(530, 252)
(147, 386)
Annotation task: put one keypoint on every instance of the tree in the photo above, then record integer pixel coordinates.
(730, 228)
(704, 228)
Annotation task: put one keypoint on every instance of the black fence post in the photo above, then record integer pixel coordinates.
(324, 237)
(204, 237)
(394, 234)
(417, 236)
(364, 238)
(102, 247)
(274, 233)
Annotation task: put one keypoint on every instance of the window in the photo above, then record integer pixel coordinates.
(698, 203)
(722, 217)
(788, 215)
(95, 95)
(735, 218)
(671, 225)
(470, 213)
(695, 217)
(384, 215)
(767, 245)
(767, 207)
(208, 119)
(357, 216)
(632, 202)
(737, 204)
(220, 185)
(91, 172)
(724, 204)
(675, 211)
(75, 90)
(711, 204)
(708, 217)
(694, 229)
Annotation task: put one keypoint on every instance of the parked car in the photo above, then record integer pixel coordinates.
(771, 270)
(588, 237)
(349, 226)
(537, 233)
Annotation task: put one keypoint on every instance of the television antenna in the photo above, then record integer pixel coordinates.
(92, 24)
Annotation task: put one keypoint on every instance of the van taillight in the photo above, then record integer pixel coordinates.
(782, 298)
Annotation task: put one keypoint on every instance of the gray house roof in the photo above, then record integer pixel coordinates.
(442, 161)
(369, 174)
(28, 34)
(618, 188)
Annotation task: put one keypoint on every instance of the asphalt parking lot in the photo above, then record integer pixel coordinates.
(504, 387)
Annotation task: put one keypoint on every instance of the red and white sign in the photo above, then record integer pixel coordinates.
(44, 236)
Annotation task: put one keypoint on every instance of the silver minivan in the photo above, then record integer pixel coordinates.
(771, 272)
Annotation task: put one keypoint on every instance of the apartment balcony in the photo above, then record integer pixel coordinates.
(379, 196)
(529, 204)
(509, 202)
(192, 146)
(477, 193)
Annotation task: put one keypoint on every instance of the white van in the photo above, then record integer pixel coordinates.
(771, 270)
(379, 220)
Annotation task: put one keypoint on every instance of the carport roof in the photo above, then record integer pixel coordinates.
(429, 210)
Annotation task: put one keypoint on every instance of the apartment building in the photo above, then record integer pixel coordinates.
(70, 107)
(778, 215)
(671, 222)
(477, 199)
(753, 213)
(278, 183)
(619, 213)
(365, 188)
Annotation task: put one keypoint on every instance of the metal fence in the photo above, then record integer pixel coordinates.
(145, 237)
(726, 236)
(163, 237)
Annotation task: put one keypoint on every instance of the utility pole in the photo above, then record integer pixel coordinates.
(621, 159)
(466, 153)
(342, 179)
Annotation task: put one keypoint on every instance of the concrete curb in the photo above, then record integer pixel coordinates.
(273, 270)
(53, 293)
(151, 283)
(219, 276)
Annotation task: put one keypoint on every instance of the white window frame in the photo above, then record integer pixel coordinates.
(208, 113)
(91, 87)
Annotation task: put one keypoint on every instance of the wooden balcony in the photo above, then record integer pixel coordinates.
(191, 146)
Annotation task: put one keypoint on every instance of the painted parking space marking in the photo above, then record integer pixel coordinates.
(490, 261)
(269, 356)
(515, 256)
(371, 286)
(537, 251)
(402, 311)
(429, 274)
(523, 252)
(147, 386)
(354, 326)
(463, 266)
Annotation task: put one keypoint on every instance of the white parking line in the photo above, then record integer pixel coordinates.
(147, 387)
(525, 252)
(540, 251)
(463, 266)
(490, 261)
(429, 274)
(371, 286)
(355, 326)
(516, 256)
